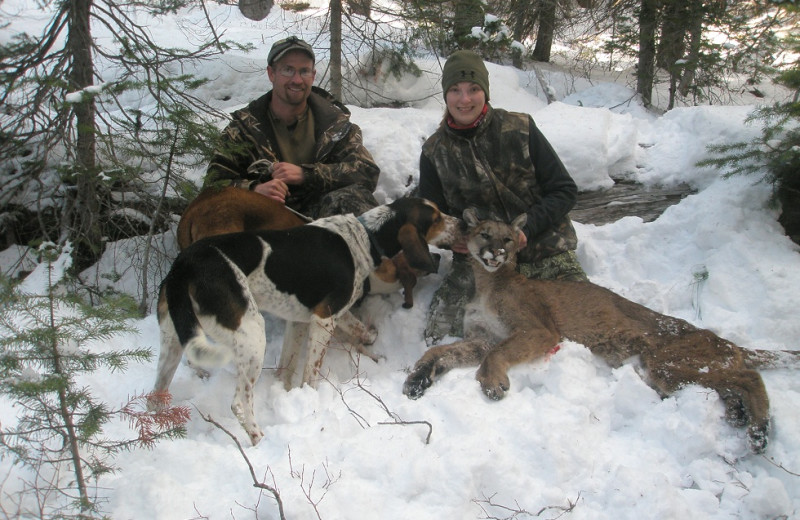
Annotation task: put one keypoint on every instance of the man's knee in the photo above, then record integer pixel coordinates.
(563, 266)
(351, 199)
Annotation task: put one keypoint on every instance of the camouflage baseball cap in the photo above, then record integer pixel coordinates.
(292, 43)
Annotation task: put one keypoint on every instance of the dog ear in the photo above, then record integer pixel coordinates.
(415, 248)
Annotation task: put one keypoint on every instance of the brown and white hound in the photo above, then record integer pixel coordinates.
(216, 211)
(211, 300)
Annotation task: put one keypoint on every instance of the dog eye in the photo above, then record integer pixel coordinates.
(485, 235)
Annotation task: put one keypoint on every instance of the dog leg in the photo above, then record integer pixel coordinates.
(319, 336)
(168, 359)
(294, 339)
(351, 325)
(350, 329)
(440, 359)
(249, 344)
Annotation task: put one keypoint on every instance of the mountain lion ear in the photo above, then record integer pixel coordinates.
(519, 221)
(470, 216)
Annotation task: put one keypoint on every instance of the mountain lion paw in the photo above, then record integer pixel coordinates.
(418, 381)
(494, 383)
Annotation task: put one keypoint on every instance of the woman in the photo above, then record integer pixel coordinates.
(499, 163)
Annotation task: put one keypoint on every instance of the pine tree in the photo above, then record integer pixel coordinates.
(50, 340)
(66, 102)
(775, 156)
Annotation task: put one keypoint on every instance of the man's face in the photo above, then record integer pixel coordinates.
(292, 77)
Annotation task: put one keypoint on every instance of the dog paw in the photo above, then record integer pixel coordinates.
(202, 374)
(369, 336)
(255, 436)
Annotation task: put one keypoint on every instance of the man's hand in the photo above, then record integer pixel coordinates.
(283, 174)
(288, 173)
(274, 189)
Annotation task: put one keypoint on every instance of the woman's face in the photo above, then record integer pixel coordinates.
(465, 102)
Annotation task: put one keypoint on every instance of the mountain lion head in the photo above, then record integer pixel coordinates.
(493, 243)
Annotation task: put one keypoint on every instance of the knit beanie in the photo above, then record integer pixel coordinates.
(465, 66)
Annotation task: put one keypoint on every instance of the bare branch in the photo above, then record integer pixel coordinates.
(256, 483)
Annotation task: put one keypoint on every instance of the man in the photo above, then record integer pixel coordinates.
(296, 144)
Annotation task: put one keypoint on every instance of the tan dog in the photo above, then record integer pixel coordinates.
(217, 211)
(513, 320)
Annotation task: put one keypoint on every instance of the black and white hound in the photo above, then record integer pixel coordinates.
(211, 301)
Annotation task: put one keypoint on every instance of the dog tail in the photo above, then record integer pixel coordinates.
(207, 354)
(756, 359)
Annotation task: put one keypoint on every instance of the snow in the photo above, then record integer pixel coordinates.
(572, 434)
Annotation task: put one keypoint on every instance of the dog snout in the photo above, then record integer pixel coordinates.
(451, 232)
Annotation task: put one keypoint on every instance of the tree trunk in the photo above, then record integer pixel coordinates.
(672, 44)
(336, 48)
(547, 26)
(695, 43)
(673, 33)
(83, 216)
(789, 197)
(360, 7)
(468, 14)
(645, 74)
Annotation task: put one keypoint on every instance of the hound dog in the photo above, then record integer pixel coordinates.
(211, 301)
(216, 211)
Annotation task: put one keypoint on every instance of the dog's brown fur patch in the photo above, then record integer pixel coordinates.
(217, 211)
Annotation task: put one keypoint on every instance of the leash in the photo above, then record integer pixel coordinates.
(263, 169)
(303, 217)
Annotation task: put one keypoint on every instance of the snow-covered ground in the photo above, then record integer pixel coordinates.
(573, 438)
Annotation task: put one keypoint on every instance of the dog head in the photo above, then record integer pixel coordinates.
(410, 224)
(492, 243)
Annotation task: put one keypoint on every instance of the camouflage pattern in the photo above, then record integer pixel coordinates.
(446, 313)
(493, 170)
(564, 266)
(342, 166)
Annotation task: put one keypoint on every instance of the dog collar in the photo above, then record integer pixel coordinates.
(375, 249)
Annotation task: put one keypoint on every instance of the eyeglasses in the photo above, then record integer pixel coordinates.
(289, 72)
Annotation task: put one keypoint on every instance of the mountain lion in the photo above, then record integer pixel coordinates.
(513, 319)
